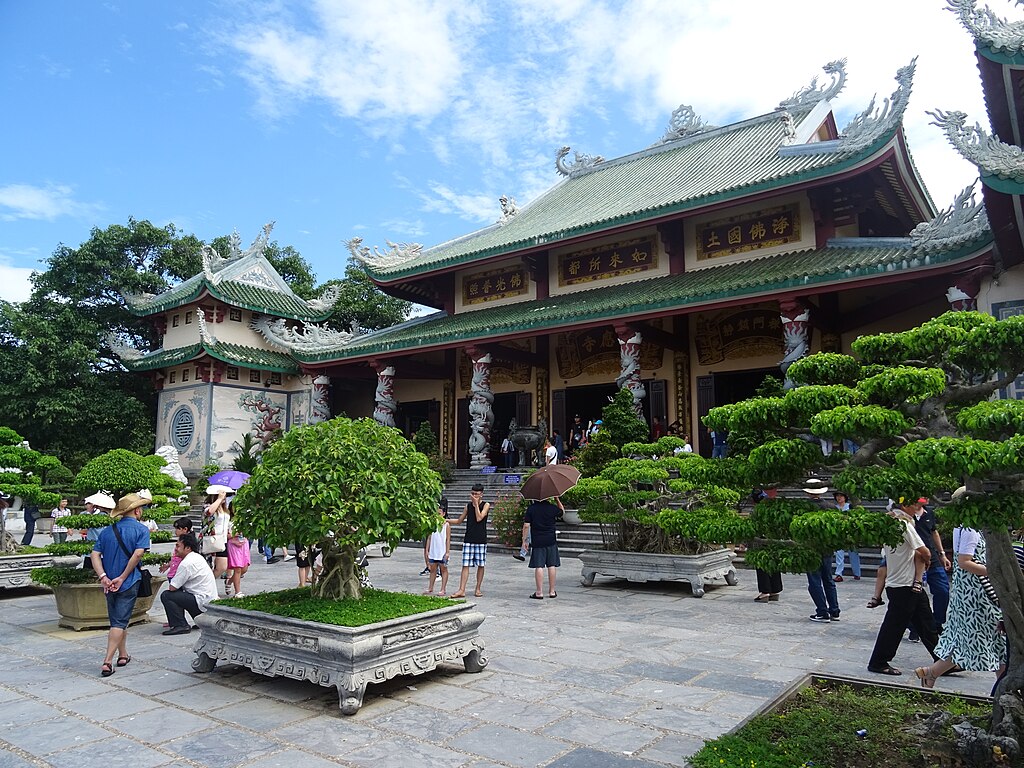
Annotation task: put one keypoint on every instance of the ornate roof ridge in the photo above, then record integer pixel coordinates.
(1000, 35)
(964, 221)
(988, 153)
(311, 338)
(871, 124)
(812, 94)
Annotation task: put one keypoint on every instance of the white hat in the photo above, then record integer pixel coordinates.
(815, 487)
(146, 494)
(101, 499)
(214, 489)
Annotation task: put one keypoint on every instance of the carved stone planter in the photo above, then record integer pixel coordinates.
(347, 658)
(44, 525)
(643, 566)
(15, 570)
(84, 606)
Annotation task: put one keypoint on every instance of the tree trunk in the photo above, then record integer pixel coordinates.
(1006, 577)
(340, 577)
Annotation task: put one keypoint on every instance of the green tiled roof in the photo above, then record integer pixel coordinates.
(845, 261)
(721, 164)
(236, 293)
(233, 354)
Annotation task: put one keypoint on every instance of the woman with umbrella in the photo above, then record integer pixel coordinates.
(548, 482)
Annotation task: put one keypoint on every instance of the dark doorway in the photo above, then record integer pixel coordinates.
(412, 414)
(725, 389)
(504, 411)
(586, 401)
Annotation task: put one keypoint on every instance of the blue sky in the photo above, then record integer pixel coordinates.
(405, 121)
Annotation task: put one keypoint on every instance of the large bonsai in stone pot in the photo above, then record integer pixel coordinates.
(340, 485)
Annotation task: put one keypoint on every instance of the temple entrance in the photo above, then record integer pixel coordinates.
(504, 412)
(725, 389)
(412, 414)
(586, 401)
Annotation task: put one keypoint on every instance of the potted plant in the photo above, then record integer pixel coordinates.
(506, 517)
(633, 489)
(80, 600)
(917, 405)
(28, 475)
(339, 486)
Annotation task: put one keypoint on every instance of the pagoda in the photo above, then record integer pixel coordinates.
(217, 378)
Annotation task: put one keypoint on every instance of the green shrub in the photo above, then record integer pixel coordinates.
(506, 516)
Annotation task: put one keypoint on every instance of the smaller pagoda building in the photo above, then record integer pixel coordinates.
(217, 378)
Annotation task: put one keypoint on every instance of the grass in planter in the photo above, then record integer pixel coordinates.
(376, 605)
(26, 549)
(819, 727)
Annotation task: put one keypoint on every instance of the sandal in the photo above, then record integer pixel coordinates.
(535, 596)
(122, 661)
(106, 670)
(874, 602)
(917, 587)
(924, 674)
(888, 669)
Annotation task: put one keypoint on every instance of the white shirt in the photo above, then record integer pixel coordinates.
(965, 541)
(438, 543)
(551, 455)
(195, 577)
(900, 561)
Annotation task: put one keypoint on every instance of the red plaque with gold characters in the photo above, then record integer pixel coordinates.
(749, 232)
(494, 284)
(607, 261)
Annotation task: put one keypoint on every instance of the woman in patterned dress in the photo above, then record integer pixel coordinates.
(971, 638)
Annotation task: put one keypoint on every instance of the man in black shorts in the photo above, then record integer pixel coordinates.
(540, 522)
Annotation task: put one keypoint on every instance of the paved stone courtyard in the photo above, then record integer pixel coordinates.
(612, 675)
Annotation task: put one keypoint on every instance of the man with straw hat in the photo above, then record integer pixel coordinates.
(115, 557)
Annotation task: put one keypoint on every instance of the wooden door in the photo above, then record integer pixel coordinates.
(462, 433)
(705, 402)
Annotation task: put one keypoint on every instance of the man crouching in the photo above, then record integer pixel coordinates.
(192, 587)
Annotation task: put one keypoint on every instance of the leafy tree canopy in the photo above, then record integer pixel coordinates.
(334, 485)
(364, 304)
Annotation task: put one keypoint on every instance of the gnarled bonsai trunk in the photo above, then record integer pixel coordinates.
(340, 577)
(1008, 581)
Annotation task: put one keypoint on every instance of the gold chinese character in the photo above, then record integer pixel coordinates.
(727, 330)
(574, 267)
(516, 280)
(757, 231)
(639, 256)
(743, 325)
(713, 241)
(608, 339)
(474, 289)
(595, 264)
(500, 284)
(589, 343)
(735, 236)
(780, 225)
(486, 286)
(615, 260)
(774, 323)
(759, 322)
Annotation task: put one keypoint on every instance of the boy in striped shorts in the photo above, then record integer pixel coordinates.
(474, 547)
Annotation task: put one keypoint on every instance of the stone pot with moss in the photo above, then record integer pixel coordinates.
(339, 486)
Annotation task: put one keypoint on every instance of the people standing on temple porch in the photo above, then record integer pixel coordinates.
(576, 435)
(508, 451)
(657, 430)
(720, 445)
(474, 547)
(550, 452)
(559, 446)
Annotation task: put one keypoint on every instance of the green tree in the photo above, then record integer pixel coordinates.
(335, 485)
(917, 404)
(364, 304)
(28, 474)
(119, 472)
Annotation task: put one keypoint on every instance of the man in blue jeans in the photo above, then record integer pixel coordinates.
(937, 575)
(822, 590)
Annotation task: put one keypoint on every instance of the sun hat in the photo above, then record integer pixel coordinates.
(815, 487)
(101, 499)
(128, 503)
(146, 494)
(214, 488)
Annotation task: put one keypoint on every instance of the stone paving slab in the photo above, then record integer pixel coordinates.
(619, 675)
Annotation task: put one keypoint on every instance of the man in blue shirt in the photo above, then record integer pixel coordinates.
(117, 563)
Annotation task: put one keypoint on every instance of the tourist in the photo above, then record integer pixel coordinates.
(192, 587)
(508, 452)
(60, 533)
(182, 526)
(908, 603)
(719, 444)
(474, 547)
(539, 530)
(115, 557)
(971, 638)
(657, 430)
(31, 513)
(559, 444)
(304, 559)
(843, 505)
(576, 435)
(820, 586)
(937, 575)
(685, 447)
(238, 556)
(216, 523)
(438, 548)
(550, 452)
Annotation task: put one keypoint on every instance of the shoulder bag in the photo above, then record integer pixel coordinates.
(145, 577)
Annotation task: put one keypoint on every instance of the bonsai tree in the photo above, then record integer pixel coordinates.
(28, 474)
(619, 425)
(916, 404)
(120, 471)
(340, 485)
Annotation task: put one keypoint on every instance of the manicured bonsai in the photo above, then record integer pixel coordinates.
(27, 474)
(340, 485)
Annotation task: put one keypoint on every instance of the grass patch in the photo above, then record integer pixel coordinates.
(375, 605)
(25, 549)
(818, 727)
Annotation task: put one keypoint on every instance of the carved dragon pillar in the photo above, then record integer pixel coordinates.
(319, 399)
(963, 294)
(796, 334)
(629, 364)
(481, 415)
(386, 406)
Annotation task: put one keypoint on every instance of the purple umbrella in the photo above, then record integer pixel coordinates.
(230, 477)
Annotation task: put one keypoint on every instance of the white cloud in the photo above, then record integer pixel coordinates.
(14, 281)
(476, 207)
(25, 201)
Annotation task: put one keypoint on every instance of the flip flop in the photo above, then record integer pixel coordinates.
(888, 669)
(122, 661)
(553, 595)
(106, 670)
(478, 594)
(535, 596)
